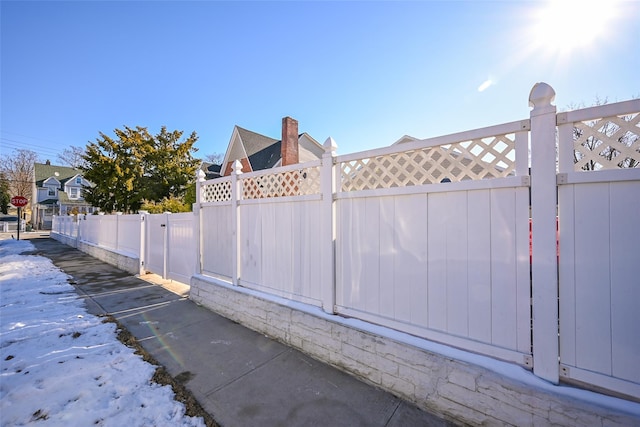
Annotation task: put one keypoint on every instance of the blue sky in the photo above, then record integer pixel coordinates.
(365, 73)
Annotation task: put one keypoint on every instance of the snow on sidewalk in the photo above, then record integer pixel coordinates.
(62, 366)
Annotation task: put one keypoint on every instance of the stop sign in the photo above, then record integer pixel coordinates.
(19, 201)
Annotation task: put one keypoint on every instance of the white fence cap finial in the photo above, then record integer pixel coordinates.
(330, 145)
(237, 166)
(200, 175)
(541, 97)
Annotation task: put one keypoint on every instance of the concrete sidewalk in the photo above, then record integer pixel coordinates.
(240, 377)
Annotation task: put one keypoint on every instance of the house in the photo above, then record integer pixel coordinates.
(57, 190)
(405, 138)
(211, 170)
(9, 223)
(258, 152)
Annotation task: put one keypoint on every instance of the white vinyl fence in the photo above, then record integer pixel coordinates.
(119, 233)
(162, 243)
(65, 225)
(432, 238)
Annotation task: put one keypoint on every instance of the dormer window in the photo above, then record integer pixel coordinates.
(78, 180)
(52, 191)
(73, 193)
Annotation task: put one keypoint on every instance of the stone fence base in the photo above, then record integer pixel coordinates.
(122, 261)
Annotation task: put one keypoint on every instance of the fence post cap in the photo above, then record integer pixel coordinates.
(237, 167)
(541, 97)
(330, 145)
(200, 175)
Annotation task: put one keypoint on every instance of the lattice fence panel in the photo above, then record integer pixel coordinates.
(607, 143)
(291, 183)
(476, 159)
(215, 192)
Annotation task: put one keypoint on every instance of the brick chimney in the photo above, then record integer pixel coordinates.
(289, 147)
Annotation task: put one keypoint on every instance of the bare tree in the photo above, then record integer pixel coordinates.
(18, 171)
(73, 156)
(4, 194)
(215, 158)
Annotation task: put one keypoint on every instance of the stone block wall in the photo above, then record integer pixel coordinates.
(123, 262)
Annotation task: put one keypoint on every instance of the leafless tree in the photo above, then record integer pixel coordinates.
(18, 171)
(215, 158)
(72, 156)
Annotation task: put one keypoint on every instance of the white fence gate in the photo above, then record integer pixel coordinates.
(170, 249)
(155, 255)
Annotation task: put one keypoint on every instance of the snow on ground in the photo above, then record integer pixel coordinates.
(61, 366)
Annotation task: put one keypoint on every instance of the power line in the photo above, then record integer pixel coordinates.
(31, 137)
(31, 144)
(39, 149)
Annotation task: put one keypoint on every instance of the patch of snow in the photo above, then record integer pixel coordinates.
(61, 365)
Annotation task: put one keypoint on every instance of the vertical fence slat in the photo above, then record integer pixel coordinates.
(388, 243)
(437, 212)
(479, 265)
(457, 264)
(625, 259)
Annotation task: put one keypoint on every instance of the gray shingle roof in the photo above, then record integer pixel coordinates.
(254, 142)
(267, 157)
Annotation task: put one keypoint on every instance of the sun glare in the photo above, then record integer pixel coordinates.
(566, 25)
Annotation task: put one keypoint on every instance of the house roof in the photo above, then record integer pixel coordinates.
(61, 173)
(211, 170)
(405, 138)
(254, 142)
(63, 199)
(262, 151)
(266, 158)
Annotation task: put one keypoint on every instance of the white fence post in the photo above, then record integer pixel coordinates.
(167, 245)
(79, 233)
(543, 216)
(200, 175)
(117, 244)
(327, 187)
(143, 240)
(236, 195)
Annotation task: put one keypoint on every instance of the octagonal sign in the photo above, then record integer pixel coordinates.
(19, 201)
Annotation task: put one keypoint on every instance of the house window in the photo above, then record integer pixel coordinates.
(73, 193)
(52, 191)
(78, 180)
